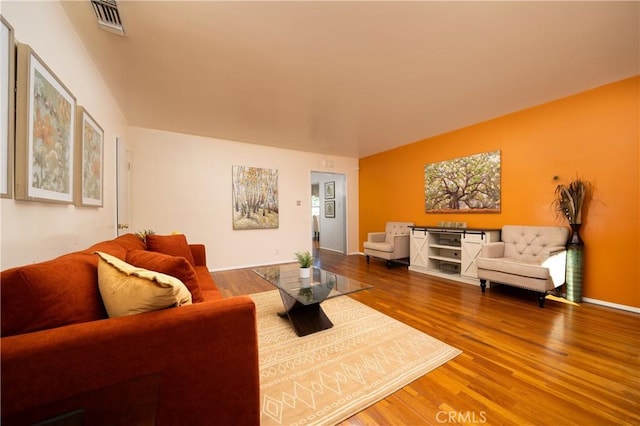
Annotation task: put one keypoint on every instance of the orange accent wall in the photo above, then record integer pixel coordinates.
(593, 135)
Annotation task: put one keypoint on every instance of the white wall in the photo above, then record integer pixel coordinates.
(33, 231)
(178, 182)
(183, 183)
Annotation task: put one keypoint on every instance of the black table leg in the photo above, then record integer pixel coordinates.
(306, 319)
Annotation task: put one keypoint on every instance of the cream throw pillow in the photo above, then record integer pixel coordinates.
(129, 290)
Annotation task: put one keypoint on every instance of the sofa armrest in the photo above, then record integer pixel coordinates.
(552, 251)
(205, 358)
(199, 254)
(556, 261)
(495, 249)
(376, 237)
(401, 246)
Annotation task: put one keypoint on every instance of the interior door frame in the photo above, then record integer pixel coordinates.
(341, 228)
(123, 169)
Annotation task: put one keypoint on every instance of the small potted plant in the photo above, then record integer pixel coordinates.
(143, 234)
(306, 292)
(305, 261)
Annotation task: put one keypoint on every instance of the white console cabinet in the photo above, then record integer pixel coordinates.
(448, 252)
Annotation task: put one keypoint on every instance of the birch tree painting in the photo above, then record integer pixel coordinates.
(463, 185)
(255, 198)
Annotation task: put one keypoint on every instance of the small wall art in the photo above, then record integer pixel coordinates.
(255, 198)
(464, 185)
(45, 125)
(330, 209)
(7, 107)
(89, 160)
(329, 190)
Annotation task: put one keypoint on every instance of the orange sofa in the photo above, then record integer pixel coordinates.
(64, 359)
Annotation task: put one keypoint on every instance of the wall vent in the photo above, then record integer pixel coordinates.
(108, 16)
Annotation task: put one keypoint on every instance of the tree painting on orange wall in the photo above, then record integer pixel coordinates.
(255, 198)
(468, 184)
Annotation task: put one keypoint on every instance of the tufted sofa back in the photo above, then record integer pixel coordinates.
(393, 229)
(532, 244)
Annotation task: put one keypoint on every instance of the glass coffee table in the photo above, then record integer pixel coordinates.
(302, 297)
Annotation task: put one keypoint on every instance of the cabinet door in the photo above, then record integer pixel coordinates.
(471, 245)
(419, 248)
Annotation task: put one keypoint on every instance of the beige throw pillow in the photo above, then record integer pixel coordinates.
(129, 290)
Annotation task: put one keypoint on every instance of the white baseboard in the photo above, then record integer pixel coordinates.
(256, 265)
(612, 305)
(330, 249)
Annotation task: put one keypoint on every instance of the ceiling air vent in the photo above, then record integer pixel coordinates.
(108, 16)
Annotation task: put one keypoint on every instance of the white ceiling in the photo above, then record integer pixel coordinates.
(352, 78)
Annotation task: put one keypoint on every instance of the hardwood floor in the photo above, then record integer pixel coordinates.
(521, 365)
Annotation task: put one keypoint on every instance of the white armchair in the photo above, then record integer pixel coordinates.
(531, 257)
(390, 245)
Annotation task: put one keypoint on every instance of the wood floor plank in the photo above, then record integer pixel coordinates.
(521, 365)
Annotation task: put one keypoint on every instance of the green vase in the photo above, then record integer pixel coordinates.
(575, 252)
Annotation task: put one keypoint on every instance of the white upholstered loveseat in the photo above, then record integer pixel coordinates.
(531, 257)
(390, 245)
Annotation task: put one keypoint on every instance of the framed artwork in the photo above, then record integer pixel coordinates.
(255, 198)
(330, 209)
(329, 190)
(464, 185)
(45, 126)
(89, 160)
(7, 110)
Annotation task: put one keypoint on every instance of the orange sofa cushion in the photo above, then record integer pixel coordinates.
(130, 242)
(109, 247)
(174, 245)
(177, 267)
(51, 294)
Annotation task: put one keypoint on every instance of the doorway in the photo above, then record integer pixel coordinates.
(315, 214)
(328, 205)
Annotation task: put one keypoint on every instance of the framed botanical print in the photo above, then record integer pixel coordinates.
(330, 209)
(45, 126)
(89, 160)
(329, 190)
(7, 111)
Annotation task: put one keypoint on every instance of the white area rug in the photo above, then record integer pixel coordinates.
(327, 377)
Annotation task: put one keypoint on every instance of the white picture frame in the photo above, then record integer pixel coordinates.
(89, 160)
(45, 128)
(7, 107)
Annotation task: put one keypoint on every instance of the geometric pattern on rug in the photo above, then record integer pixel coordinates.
(326, 377)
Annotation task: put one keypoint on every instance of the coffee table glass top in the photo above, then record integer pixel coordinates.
(321, 285)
